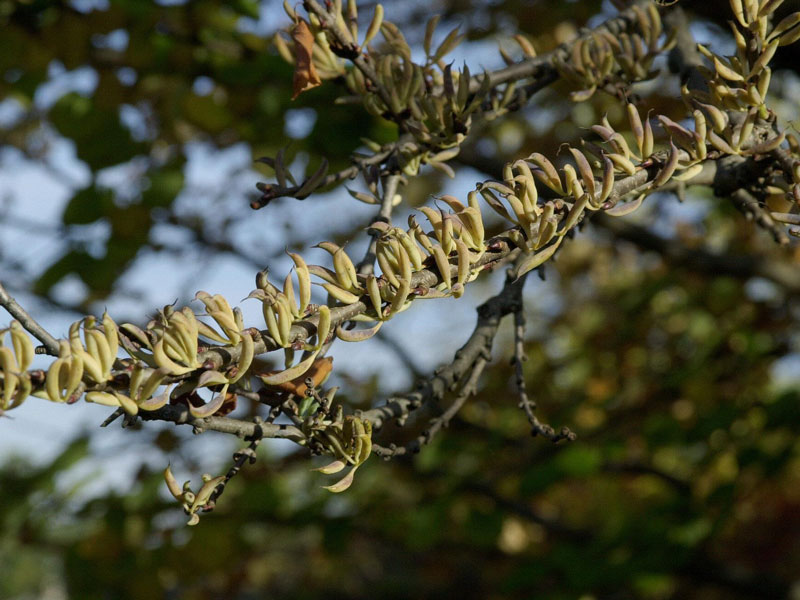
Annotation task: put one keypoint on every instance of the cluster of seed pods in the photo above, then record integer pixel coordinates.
(602, 58)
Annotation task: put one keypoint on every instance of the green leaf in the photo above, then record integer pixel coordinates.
(68, 263)
(165, 185)
(88, 205)
(205, 112)
(101, 140)
(249, 8)
(579, 460)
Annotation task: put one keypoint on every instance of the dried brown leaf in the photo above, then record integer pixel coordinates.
(305, 74)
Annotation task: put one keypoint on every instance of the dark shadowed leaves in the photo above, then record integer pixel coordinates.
(101, 140)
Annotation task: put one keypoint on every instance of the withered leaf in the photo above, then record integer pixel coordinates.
(318, 372)
(305, 74)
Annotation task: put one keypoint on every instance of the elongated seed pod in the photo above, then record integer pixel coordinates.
(411, 248)
(720, 144)
(165, 362)
(463, 262)
(342, 295)
(622, 164)
(111, 333)
(323, 325)
(678, 132)
(271, 320)
(447, 241)
(463, 89)
(725, 71)
(547, 229)
(637, 128)
(550, 175)
(647, 144)
(345, 270)
(9, 368)
(689, 173)
(375, 295)
(288, 292)
(719, 120)
(738, 12)
(443, 265)
(284, 313)
(585, 170)
(405, 263)
(387, 269)
(303, 282)
(182, 335)
(533, 260)
(495, 205)
(473, 223)
(574, 214)
(620, 210)
(400, 296)
(528, 193)
(700, 124)
(669, 166)
(23, 348)
(746, 129)
(608, 182)
(572, 183)
(102, 351)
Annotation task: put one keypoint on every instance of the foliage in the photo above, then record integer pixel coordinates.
(664, 366)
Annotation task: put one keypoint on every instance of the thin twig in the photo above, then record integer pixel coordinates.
(787, 162)
(437, 423)
(240, 457)
(247, 430)
(525, 402)
(432, 390)
(271, 191)
(749, 206)
(28, 322)
(390, 184)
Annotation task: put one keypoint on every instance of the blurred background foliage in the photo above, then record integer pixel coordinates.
(677, 376)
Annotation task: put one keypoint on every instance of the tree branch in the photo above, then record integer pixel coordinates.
(540, 69)
(28, 322)
(271, 191)
(478, 347)
(247, 430)
(437, 423)
(751, 208)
